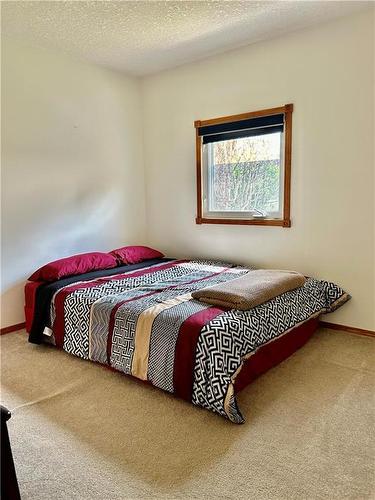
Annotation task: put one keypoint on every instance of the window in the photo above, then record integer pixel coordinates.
(243, 168)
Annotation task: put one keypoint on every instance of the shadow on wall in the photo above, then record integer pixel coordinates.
(12, 302)
(87, 219)
(90, 220)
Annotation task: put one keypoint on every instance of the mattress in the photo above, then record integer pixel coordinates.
(142, 320)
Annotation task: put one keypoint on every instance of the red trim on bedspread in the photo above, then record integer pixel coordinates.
(271, 354)
(184, 361)
(59, 327)
(30, 293)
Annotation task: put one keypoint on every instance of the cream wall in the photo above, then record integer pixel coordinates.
(72, 158)
(72, 167)
(328, 73)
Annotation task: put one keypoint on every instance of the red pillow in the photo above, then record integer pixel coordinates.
(76, 264)
(135, 254)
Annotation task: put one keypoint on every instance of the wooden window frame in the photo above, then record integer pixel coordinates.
(285, 221)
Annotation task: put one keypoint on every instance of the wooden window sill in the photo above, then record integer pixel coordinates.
(245, 222)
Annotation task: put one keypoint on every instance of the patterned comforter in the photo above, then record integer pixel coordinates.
(145, 323)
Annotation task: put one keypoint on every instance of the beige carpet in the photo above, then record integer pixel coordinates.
(80, 431)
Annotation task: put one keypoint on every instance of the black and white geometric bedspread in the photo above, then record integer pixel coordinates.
(146, 324)
(231, 337)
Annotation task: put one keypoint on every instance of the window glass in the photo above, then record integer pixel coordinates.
(244, 175)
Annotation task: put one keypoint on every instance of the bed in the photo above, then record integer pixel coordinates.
(141, 319)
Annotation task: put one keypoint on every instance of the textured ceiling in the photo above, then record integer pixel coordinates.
(143, 37)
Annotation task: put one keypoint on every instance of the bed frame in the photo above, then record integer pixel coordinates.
(271, 354)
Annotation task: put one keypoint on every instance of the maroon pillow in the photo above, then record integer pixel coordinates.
(76, 264)
(135, 254)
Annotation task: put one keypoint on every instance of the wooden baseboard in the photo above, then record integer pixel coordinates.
(12, 328)
(349, 329)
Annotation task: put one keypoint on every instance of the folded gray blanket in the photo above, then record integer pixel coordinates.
(250, 290)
